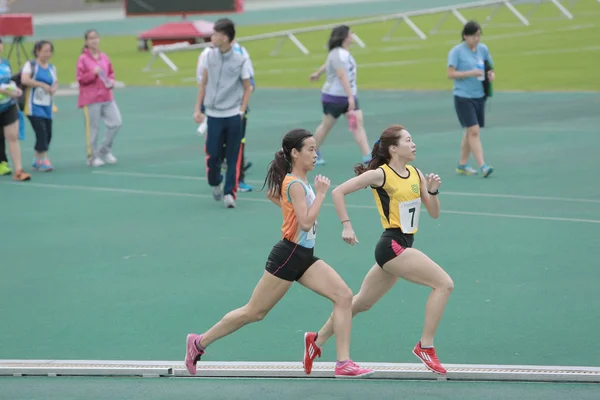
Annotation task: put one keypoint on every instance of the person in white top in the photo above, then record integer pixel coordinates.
(238, 48)
(339, 93)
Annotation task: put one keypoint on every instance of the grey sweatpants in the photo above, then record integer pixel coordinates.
(94, 113)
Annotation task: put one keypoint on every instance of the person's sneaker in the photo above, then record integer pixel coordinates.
(244, 187)
(486, 170)
(41, 165)
(192, 354)
(429, 358)
(311, 351)
(21, 176)
(229, 201)
(5, 168)
(217, 193)
(45, 166)
(110, 159)
(466, 170)
(348, 369)
(95, 162)
(320, 160)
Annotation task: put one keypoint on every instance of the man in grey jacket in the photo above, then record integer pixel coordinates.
(224, 90)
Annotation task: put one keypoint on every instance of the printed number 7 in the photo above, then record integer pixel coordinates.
(412, 218)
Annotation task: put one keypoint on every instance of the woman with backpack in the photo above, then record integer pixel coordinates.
(40, 81)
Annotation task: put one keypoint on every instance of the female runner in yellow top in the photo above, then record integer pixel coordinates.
(399, 190)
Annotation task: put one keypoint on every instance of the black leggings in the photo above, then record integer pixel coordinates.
(43, 133)
(3, 157)
(7, 117)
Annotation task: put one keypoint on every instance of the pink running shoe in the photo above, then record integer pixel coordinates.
(349, 369)
(192, 354)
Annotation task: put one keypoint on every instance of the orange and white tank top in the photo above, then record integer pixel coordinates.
(290, 228)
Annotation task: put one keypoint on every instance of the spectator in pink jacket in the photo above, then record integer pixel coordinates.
(96, 79)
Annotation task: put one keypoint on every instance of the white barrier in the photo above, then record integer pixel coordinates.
(161, 51)
(265, 369)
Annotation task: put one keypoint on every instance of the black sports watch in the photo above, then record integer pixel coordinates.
(437, 191)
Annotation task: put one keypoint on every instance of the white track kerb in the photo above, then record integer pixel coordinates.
(156, 369)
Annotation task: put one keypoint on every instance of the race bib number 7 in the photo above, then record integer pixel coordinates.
(41, 97)
(409, 215)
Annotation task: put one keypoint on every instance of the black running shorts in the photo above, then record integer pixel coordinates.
(338, 109)
(289, 261)
(391, 244)
(9, 116)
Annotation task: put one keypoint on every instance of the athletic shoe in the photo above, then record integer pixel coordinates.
(5, 168)
(311, 351)
(349, 369)
(320, 160)
(429, 358)
(486, 170)
(95, 162)
(21, 176)
(192, 354)
(244, 187)
(45, 166)
(42, 165)
(110, 159)
(217, 193)
(229, 201)
(466, 170)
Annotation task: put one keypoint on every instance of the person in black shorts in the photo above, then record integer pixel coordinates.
(9, 118)
(292, 258)
(398, 189)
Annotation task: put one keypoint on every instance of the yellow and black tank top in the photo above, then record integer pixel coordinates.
(399, 200)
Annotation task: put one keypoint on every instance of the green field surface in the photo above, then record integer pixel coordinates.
(553, 53)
